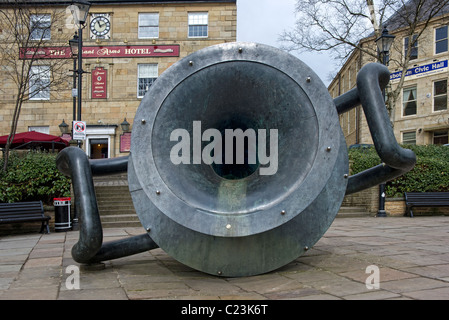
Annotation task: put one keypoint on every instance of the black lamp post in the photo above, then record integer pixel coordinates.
(384, 43)
(74, 48)
(80, 10)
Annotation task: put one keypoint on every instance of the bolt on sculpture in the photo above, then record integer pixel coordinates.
(238, 164)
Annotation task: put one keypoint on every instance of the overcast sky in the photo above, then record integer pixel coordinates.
(263, 21)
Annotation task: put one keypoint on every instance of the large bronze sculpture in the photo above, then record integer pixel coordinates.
(258, 204)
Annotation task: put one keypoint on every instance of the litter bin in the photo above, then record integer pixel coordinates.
(62, 214)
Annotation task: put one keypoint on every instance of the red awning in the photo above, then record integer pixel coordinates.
(25, 140)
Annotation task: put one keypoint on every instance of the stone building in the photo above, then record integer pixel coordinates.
(126, 46)
(420, 115)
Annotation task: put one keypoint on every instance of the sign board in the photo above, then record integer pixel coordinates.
(79, 130)
(99, 83)
(102, 52)
(67, 137)
(421, 71)
(125, 142)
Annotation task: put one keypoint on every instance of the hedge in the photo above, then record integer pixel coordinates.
(32, 176)
(431, 172)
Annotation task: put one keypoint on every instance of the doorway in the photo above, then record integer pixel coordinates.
(99, 148)
(99, 141)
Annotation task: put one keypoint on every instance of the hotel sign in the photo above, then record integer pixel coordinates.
(421, 71)
(101, 52)
(99, 83)
(131, 51)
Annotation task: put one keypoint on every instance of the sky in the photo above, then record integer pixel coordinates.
(262, 21)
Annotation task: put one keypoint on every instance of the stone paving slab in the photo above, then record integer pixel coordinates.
(410, 254)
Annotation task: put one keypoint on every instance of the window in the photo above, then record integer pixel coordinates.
(414, 47)
(409, 137)
(409, 101)
(441, 40)
(147, 74)
(440, 137)
(40, 26)
(148, 25)
(198, 22)
(41, 129)
(39, 83)
(440, 95)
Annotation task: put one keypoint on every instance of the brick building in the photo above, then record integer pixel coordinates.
(126, 46)
(420, 115)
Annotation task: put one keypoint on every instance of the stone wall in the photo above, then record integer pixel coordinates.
(368, 199)
(396, 207)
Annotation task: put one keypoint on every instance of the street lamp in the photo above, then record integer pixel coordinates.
(80, 9)
(64, 127)
(384, 43)
(125, 126)
(73, 43)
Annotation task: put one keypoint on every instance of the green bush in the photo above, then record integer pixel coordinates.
(32, 176)
(431, 172)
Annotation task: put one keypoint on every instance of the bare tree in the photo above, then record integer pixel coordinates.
(336, 26)
(26, 32)
(342, 26)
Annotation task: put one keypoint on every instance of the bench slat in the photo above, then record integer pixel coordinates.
(24, 219)
(24, 212)
(425, 199)
(25, 215)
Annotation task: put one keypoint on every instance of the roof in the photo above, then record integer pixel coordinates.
(408, 12)
(402, 18)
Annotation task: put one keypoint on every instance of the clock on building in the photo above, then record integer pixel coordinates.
(100, 26)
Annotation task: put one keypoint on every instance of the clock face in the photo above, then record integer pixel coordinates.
(100, 26)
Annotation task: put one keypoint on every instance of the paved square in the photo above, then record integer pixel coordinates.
(411, 256)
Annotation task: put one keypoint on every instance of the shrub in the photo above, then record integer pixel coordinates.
(431, 172)
(32, 176)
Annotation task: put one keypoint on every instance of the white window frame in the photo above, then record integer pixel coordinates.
(151, 76)
(198, 19)
(440, 95)
(39, 74)
(41, 25)
(143, 25)
(409, 141)
(403, 101)
(41, 129)
(444, 39)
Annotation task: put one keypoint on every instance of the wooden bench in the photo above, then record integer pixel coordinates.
(19, 212)
(425, 199)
